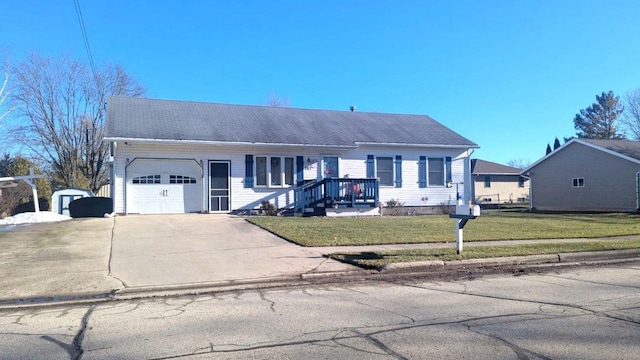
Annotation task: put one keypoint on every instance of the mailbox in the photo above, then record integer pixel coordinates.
(470, 210)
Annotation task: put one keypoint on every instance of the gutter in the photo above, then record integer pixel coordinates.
(228, 143)
(248, 143)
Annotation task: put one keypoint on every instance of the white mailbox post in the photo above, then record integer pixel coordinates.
(463, 214)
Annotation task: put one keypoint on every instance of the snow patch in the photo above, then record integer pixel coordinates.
(33, 217)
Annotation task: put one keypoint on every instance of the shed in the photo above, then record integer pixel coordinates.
(60, 199)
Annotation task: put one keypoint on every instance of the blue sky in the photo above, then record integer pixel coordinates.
(508, 75)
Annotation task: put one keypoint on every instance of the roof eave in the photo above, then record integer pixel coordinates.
(228, 143)
(454, 146)
(585, 143)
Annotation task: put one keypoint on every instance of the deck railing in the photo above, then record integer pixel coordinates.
(350, 192)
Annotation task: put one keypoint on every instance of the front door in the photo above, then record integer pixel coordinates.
(330, 166)
(219, 186)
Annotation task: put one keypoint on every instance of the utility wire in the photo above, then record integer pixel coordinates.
(86, 42)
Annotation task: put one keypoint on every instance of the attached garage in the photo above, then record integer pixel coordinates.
(163, 186)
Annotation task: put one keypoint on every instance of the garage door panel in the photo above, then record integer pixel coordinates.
(164, 187)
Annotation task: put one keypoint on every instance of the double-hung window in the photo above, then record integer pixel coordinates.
(384, 170)
(436, 171)
(274, 171)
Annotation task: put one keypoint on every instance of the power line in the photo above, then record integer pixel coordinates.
(86, 42)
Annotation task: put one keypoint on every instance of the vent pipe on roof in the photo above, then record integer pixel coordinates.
(352, 108)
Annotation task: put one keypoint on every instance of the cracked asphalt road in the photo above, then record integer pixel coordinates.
(576, 313)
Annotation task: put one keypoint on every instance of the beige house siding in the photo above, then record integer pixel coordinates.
(504, 189)
(609, 181)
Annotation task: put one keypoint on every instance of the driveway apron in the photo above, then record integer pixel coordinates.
(155, 250)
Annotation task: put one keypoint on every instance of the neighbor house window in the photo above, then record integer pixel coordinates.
(487, 181)
(384, 170)
(147, 179)
(274, 171)
(520, 181)
(435, 171)
(578, 182)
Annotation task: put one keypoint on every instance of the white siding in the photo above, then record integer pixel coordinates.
(351, 162)
(354, 164)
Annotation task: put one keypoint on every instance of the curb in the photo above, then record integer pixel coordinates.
(511, 260)
(430, 266)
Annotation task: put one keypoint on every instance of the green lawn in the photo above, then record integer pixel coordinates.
(380, 258)
(324, 231)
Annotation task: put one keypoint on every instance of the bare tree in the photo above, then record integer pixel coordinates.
(274, 101)
(631, 114)
(519, 163)
(4, 91)
(63, 104)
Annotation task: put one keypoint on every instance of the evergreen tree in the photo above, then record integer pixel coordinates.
(548, 149)
(598, 121)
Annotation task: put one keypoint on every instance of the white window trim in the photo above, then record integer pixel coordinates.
(577, 180)
(268, 169)
(444, 171)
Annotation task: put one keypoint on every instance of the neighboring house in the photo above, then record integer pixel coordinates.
(181, 157)
(494, 183)
(587, 175)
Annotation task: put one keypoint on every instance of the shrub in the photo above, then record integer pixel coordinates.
(268, 209)
(394, 207)
(445, 209)
(29, 207)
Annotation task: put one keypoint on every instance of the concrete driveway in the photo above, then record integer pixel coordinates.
(157, 250)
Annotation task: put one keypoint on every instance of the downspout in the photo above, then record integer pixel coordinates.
(638, 191)
(530, 191)
(112, 174)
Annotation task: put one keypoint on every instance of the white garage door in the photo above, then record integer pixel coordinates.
(164, 186)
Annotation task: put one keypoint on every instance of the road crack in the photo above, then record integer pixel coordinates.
(521, 353)
(74, 349)
(539, 302)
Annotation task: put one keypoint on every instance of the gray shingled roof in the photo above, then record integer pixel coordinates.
(151, 119)
(624, 147)
(482, 167)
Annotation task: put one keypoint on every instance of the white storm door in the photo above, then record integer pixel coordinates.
(219, 186)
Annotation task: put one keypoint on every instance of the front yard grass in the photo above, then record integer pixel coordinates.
(380, 258)
(324, 231)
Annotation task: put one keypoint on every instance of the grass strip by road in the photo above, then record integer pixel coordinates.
(326, 231)
(379, 258)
